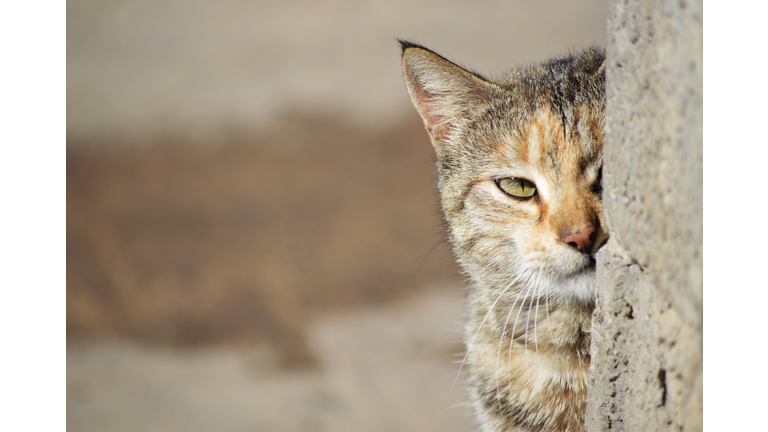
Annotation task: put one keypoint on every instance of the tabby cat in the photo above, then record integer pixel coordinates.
(519, 163)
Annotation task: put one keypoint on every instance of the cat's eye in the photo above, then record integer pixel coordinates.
(597, 188)
(516, 187)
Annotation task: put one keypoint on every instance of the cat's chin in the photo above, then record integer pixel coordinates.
(579, 286)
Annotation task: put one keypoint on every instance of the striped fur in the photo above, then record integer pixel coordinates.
(530, 261)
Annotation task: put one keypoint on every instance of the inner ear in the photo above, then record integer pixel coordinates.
(441, 91)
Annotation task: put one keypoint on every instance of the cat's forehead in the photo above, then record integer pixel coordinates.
(549, 142)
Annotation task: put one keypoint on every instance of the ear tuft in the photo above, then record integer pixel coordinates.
(440, 90)
(404, 44)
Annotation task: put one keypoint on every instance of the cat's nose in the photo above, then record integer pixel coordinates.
(579, 239)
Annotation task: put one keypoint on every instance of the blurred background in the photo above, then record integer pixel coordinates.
(253, 233)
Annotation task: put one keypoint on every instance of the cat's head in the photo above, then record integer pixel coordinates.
(519, 167)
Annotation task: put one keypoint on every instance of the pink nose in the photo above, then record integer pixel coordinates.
(580, 239)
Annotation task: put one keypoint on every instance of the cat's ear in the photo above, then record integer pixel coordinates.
(601, 69)
(440, 90)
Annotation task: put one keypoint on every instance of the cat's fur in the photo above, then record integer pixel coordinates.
(530, 260)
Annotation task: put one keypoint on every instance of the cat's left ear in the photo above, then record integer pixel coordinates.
(441, 91)
(601, 69)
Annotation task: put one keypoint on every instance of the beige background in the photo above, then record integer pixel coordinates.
(144, 67)
(253, 239)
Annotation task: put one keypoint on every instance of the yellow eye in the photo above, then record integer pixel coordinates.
(516, 187)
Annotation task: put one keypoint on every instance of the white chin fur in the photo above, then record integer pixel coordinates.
(579, 288)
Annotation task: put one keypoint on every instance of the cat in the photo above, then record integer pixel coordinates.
(519, 166)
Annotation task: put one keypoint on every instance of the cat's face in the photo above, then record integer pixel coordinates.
(519, 180)
(528, 203)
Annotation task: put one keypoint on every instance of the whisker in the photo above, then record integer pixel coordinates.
(528, 323)
(546, 299)
(503, 332)
(536, 322)
(442, 240)
(474, 338)
(514, 325)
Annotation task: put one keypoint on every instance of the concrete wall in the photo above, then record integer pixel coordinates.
(647, 334)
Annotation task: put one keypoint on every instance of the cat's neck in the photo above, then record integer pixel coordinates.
(526, 356)
(524, 313)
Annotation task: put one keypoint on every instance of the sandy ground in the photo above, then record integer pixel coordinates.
(253, 235)
(379, 369)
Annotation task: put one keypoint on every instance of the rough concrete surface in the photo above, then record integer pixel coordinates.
(646, 371)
